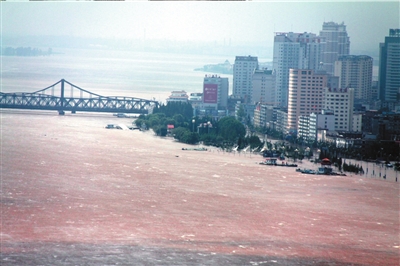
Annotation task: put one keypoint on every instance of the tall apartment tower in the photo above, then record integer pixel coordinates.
(263, 87)
(215, 92)
(243, 70)
(337, 44)
(341, 102)
(355, 72)
(306, 88)
(389, 68)
(294, 50)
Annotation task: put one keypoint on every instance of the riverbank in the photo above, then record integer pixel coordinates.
(73, 192)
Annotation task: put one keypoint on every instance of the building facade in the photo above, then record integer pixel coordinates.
(215, 92)
(178, 96)
(389, 69)
(294, 50)
(357, 122)
(303, 127)
(323, 121)
(355, 72)
(243, 70)
(263, 87)
(263, 115)
(341, 102)
(337, 44)
(281, 121)
(306, 88)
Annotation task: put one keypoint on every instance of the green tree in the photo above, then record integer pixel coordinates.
(185, 135)
(230, 128)
(254, 141)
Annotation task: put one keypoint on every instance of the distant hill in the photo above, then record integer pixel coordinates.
(222, 68)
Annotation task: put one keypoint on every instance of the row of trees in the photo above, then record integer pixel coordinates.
(352, 168)
(25, 51)
(226, 132)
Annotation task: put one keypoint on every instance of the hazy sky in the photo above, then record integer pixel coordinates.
(367, 22)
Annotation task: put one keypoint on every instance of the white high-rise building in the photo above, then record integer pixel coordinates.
(294, 50)
(263, 87)
(355, 72)
(306, 88)
(337, 44)
(243, 70)
(341, 102)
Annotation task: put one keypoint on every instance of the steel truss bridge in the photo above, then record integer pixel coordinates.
(78, 99)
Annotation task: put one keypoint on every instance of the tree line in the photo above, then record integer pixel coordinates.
(176, 119)
(25, 51)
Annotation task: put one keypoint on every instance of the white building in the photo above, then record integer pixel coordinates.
(310, 125)
(355, 72)
(303, 126)
(341, 102)
(196, 99)
(243, 70)
(306, 89)
(178, 96)
(337, 44)
(323, 121)
(294, 50)
(263, 87)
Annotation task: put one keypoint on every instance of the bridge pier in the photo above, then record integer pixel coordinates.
(61, 112)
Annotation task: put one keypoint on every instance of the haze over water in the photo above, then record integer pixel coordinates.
(110, 72)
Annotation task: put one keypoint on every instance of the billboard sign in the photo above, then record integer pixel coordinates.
(210, 93)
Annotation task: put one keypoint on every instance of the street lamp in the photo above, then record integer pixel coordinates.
(193, 121)
(208, 127)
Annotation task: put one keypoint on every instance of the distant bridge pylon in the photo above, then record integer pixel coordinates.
(74, 99)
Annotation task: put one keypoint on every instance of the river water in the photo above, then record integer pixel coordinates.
(75, 193)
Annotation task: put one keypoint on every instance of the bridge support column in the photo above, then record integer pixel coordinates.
(61, 111)
(73, 112)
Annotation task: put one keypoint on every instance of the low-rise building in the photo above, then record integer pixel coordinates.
(178, 96)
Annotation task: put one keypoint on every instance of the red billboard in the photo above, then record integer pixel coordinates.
(210, 93)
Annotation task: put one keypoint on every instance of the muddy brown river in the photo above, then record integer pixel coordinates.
(75, 193)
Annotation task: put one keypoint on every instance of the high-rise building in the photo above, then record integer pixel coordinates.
(243, 70)
(341, 102)
(337, 44)
(355, 72)
(306, 88)
(294, 50)
(263, 87)
(215, 92)
(389, 68)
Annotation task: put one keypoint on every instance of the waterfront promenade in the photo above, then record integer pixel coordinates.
(75, 193)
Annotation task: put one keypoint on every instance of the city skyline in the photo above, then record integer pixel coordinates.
(225, 23)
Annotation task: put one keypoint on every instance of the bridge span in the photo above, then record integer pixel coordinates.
(61, 98)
